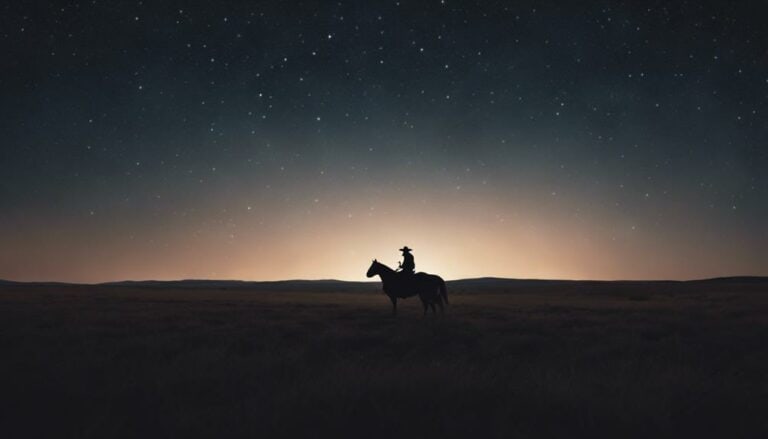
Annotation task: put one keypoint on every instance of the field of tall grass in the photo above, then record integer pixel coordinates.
(111, 362)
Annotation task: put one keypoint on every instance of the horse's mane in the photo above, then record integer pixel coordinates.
(385, 266)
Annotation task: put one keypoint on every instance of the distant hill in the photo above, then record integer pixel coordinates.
(483, 284)
(736, 279)
(502, 285)
(281, 285)
(13, 282)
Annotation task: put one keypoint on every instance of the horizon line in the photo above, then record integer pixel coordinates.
(497, 278)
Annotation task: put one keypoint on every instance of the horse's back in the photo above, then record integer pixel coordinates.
(429, 277)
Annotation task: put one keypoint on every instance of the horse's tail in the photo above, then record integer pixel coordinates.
(444, 291)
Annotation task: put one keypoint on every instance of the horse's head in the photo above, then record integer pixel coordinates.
(373, 270)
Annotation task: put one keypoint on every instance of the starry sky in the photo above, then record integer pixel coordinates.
(276, 140)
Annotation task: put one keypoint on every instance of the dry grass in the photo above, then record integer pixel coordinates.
(609, 362)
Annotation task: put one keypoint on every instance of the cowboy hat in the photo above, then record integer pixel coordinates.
(405, 249)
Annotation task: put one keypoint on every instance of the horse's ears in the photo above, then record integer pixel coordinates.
(374, 260)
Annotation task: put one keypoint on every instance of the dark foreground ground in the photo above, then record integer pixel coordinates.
(608, 360)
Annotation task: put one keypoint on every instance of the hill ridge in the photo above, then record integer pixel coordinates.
(344, 284)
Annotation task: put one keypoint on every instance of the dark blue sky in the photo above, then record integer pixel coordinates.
(301, 139)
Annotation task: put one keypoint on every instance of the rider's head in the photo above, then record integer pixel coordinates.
(405, 249)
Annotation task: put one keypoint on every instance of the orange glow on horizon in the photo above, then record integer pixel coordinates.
(481, 237)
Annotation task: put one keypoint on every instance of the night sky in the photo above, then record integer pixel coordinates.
(276, 140)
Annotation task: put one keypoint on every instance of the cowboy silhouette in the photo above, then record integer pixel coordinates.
(408, 265)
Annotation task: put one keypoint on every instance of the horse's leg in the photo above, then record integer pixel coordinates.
(439, 300)
(425, 304)
(432, 304)
(394, 305)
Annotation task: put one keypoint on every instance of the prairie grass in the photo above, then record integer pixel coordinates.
(607, 361)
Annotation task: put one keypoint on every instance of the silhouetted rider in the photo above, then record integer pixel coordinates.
(408, 265)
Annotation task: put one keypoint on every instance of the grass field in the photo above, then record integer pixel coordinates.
(603, 360)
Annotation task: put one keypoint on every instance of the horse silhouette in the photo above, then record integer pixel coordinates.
(430, 288)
